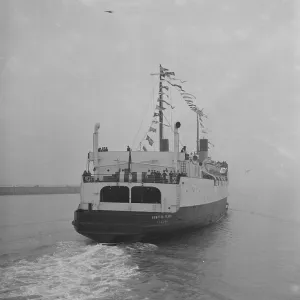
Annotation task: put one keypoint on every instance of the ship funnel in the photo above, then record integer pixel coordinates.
(176, 137)
(203, 154)
(176, 143)
(97, 127)
(95, 144)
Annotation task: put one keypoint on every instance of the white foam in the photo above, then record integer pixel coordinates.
(74, 271)
(141, 247)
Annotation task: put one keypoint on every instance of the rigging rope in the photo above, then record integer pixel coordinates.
(190, 99)
(147, 108)
(153, 104)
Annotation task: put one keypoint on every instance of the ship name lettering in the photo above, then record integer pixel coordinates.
(161, 217)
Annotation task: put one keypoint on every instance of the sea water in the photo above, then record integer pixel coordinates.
(253, 253)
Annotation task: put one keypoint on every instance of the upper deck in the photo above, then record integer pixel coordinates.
(141, 157)
(157, 167)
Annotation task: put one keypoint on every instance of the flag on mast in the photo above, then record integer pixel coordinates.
(160, 108)
(163, 69)
(150, 141)
(185, 93)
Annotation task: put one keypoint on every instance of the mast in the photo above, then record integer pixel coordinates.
(160, 111)
(198, 150)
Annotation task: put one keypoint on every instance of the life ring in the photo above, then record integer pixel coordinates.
(87, 179)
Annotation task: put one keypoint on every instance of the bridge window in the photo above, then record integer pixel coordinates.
(119, 194)
(145, 194)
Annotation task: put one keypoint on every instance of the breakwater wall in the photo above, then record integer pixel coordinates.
(38, 190)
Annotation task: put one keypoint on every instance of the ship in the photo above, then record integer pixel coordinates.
(142, 195)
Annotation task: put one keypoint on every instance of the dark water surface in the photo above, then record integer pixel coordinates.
(253, 253)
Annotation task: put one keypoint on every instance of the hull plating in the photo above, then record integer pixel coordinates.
(120, 226)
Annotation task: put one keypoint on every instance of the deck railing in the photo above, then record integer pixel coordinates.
(135, 177)
(173, 178)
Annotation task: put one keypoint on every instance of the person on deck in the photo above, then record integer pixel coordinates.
(164, 175)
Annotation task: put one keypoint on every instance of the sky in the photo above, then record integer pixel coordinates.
(66, 64)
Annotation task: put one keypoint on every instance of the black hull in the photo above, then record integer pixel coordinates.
(124, 226)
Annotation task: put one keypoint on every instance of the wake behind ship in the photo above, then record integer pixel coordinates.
(142, 195)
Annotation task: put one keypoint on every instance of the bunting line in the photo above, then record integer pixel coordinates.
(169, 80)
(150, 141)
(182, 81)
(151, 129)
(188, 94)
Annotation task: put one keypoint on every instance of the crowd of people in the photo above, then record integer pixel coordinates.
(164, 177)
(154, 176)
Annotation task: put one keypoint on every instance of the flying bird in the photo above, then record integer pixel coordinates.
(247, 171)
(109, 11)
